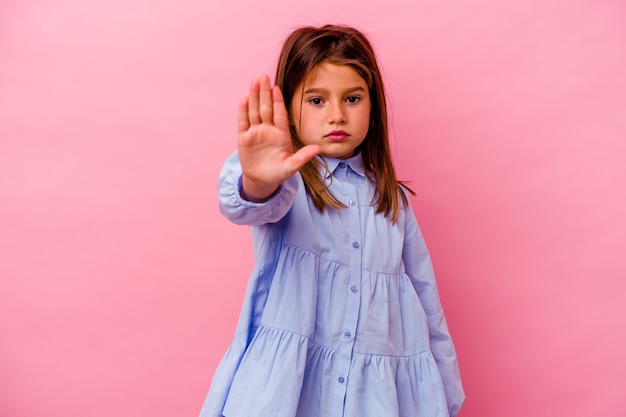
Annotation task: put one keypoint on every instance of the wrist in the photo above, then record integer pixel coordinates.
(256, 192)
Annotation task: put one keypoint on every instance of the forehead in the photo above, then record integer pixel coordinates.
(328, 75)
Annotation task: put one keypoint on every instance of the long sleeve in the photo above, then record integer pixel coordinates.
(241, 211)
(419, 268)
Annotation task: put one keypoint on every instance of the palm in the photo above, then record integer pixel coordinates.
(265, 149)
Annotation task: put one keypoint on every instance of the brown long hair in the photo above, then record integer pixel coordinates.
(342, 45)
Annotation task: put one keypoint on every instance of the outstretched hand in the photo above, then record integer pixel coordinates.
(265, 148)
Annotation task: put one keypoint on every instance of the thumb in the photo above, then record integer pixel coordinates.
(301, 157)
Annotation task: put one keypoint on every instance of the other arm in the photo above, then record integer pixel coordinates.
(419, 268)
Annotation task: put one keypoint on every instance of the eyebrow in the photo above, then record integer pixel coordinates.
(323, 90)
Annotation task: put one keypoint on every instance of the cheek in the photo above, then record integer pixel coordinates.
(304, 119)
(365, 121)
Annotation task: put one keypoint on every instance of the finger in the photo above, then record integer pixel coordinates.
(243, 123)
(301, 157)
(265, 100)
(281, 117)
(253, 104)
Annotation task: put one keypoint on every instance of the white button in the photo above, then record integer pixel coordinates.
(341, 380)
(354, 288)
(356, 245)
(352, 202)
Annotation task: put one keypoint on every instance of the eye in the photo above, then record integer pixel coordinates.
(353, 99)
(315, 101)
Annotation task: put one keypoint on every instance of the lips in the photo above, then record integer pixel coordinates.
(337, 135)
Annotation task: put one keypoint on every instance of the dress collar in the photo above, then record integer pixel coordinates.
(355, 163)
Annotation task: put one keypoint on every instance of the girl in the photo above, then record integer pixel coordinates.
(342, 315)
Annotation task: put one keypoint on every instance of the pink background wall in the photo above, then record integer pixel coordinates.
(120, 283)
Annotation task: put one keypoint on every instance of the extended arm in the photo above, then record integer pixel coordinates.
(256, 184)
(264, 143)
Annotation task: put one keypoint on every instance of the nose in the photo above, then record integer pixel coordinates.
(336, 113)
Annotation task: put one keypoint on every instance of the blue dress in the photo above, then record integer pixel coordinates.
(341, 315)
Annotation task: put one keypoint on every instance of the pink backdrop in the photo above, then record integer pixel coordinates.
(120, 283)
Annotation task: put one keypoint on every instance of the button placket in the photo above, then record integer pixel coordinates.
(352, 303)
(347, 331)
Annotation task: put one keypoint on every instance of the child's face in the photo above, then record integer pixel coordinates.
(334, 112)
